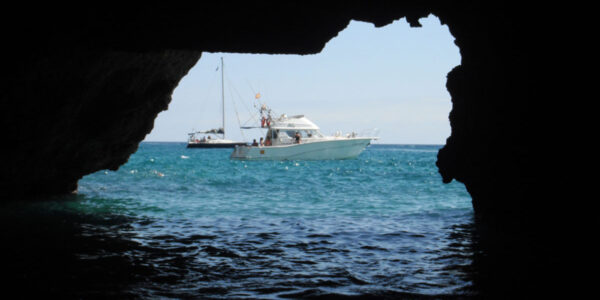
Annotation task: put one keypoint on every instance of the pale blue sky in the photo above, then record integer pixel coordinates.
(391, 78)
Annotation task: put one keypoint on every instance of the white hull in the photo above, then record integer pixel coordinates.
(339, 148)
(217, 143)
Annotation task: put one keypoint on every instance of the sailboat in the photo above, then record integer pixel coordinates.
(216, 137)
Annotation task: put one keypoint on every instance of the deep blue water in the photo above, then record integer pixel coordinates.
(190, 223)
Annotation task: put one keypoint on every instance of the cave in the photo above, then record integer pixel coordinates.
(82, 88)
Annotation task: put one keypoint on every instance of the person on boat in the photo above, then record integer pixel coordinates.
(261, 142)
(268, 141)
(297, 137)
(254, 143)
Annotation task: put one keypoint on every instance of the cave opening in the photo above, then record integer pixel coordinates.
(311, 213)
(388, 80)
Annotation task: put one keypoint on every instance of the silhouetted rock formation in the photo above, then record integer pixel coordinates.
(82, 86)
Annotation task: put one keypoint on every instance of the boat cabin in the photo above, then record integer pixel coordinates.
(282, 131)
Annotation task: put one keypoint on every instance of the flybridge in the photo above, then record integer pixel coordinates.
(297, 122)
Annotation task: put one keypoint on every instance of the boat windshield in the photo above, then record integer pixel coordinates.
(289, 134)
(313, 133)
(303, 133)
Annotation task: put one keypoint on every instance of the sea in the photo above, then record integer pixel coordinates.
(178, 223)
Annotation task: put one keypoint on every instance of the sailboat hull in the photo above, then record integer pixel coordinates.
(215, 145)
(343, 148)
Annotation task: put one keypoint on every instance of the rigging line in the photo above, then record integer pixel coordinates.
(235, 109)
(250, 85)
(208, 95)
(252, 116)
(242, 100)
(231, 86)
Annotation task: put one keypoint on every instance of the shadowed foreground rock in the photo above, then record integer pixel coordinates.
(73, 112)
(82, 86)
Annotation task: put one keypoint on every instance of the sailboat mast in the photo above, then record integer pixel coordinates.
(223, 96)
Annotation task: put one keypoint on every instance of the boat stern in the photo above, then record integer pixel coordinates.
(240, 152)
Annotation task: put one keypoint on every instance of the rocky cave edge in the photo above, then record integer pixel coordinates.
(82, 86)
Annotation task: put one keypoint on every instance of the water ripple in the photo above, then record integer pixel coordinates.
(381, 226)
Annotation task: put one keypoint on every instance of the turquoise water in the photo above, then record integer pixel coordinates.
(177, 222)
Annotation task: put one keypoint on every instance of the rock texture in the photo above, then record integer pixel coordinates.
(82, 85)
(70, 112)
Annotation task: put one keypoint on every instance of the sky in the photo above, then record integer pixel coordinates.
(389, 81)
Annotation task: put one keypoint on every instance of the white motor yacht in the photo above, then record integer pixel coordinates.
(298, 138)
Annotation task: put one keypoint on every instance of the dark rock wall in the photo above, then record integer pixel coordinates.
(495, 148)
(82, 85)
(71, 112)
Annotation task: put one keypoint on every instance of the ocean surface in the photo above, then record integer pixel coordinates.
(190, 223)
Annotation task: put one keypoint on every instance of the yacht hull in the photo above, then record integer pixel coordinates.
(343, 148)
